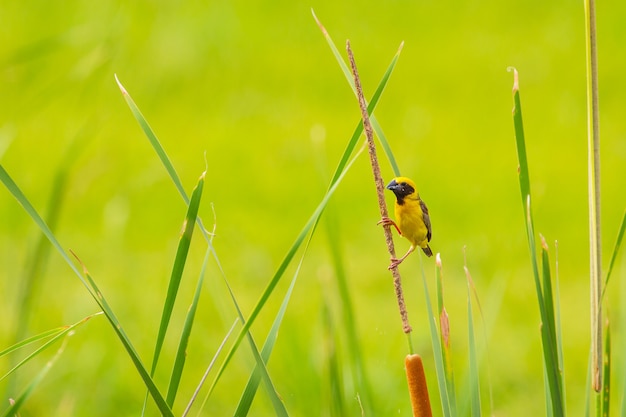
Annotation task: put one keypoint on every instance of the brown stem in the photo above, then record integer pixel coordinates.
(380, 190)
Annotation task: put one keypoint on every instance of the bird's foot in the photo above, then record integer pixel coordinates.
(394, 263)
(386, 221)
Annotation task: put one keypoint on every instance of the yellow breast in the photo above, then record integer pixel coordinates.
(410, 220)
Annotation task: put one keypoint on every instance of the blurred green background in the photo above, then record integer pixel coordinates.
(255, 86)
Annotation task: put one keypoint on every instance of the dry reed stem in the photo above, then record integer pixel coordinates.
(380, 190)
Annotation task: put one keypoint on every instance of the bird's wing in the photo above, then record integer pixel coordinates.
(426, 220)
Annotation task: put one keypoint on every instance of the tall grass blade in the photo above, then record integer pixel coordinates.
(377, 93)
(548, 337)
(355, 357)
(92, 288)
(174, 176)
(548, 330)
(474, 382)
(337, 407)
(178, 268)
(181, 354)
(437, 352)
(444, 335)
(17, 404)
(249, 392)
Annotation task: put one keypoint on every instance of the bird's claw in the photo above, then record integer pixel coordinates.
(385, 221)
(394, 263)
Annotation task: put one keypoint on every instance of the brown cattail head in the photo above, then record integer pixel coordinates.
(417, 386)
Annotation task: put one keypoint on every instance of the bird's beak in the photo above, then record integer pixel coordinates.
(392, 185)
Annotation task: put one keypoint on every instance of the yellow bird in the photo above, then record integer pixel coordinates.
(413, 221)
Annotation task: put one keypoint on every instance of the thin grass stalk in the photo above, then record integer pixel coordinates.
(208, 370)
(593, 151)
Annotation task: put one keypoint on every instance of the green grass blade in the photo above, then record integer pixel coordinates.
(249, 392)
(616, 247)
(174, 176)
(547, 318)
(375, 97)
(437, 352)
(281, 270)
(549, 336)
(444, 336)
(134, 356)
(208, 370)
(32, 339)
(178, 268)
(181, 354)
(17, 404)
(91, 286)
(56, 333)
(606, 374)
(154, 141)
(337, 407)
(473, 359)
(355, 357)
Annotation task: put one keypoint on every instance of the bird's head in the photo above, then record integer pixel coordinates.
(402, 187)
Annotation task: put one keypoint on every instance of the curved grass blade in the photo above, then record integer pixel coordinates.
(91, 287)
(17, 404)
(379, 91)
(58, 333)
(178, 268)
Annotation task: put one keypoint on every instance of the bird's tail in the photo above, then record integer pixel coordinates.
(427, 251)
